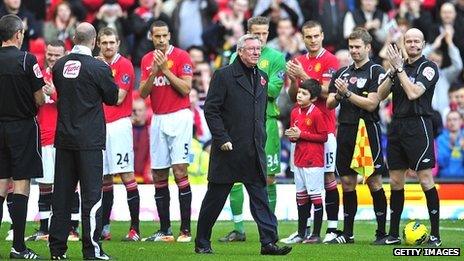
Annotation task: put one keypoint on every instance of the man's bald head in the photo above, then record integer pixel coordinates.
(414, 43)
(414, 32)
(85, 35)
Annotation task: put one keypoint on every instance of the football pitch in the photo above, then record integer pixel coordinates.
(452, 234)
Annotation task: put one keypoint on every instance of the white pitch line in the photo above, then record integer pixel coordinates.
(453, 228)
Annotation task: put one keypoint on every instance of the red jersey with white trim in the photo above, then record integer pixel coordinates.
(321, 67)
(123, 73)
(164, 98)
(309, 149)
(47, 115)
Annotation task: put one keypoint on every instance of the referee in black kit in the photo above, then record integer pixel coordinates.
(21, 93)
(355, 88)
(410, 138)
(83, 83)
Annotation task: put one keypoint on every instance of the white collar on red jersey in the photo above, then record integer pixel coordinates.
(321, 52)
(170, 49)
(115, 58)
(310, 109)
(81, 49)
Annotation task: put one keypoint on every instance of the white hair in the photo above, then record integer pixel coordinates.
(241, 41)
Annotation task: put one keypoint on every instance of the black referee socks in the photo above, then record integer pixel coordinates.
(380, 210)
(396, 208)
(433, 205)
(350, 207)
(18, 216)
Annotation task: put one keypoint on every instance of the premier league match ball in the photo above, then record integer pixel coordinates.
(415, 233)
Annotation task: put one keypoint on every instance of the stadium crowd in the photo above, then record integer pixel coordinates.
(143, 42)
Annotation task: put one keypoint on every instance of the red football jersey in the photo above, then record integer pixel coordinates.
(47, 115)
(164, 98)
(321, 67)
(309, 149)
(123, 73)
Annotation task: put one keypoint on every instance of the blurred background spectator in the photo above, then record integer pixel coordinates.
(417, 17)
(343, 57)
(449, 74)
(33, 28)
(288, 40)
(140, 131)
(197, 54)
(373, 19)
(200, 127)
(330, 13)
(450, 146)
(111, 15)
(61, 26)
(276, 10)
(221, 37)
(189, 18)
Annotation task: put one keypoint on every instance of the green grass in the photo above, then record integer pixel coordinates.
(452, 233)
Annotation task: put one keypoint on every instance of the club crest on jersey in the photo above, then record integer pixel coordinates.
(170, 64)
(308, 122)
(263, 81)
(353, 80)
(187, 69)
(71, 69)
(317, 67)
(281, 75)
(125, 78)
(361, 82)
(37, 71)
(263, 64)
(428, 72)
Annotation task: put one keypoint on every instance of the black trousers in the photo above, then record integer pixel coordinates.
(73, 166)
(213, 203)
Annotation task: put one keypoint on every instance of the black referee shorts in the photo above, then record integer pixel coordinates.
(410, 144)
(20, 150)
(346, 140)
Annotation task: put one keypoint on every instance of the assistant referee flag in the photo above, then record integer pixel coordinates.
(362, 161)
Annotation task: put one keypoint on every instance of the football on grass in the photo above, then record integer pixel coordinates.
(415, 233)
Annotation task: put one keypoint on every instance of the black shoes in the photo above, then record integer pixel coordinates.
(26, 254)
(269, 249)
(274, 250)
(59, 257)
(102, 256)
(433, 242)
(342, 239)
(234, 236)
(388, 240)
(203, 250)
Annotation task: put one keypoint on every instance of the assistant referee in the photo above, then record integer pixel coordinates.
(21, 83)
(82, 83)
